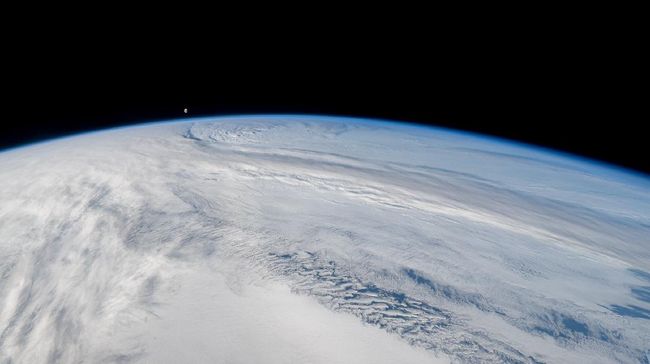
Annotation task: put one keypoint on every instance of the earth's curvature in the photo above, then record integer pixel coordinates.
(307, 239)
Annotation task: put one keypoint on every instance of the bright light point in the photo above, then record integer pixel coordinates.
(185, 110)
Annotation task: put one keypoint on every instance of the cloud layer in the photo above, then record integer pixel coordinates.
(306, 239)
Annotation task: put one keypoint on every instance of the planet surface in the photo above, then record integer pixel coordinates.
(312, 239)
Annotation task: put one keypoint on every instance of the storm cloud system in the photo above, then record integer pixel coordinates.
(308, 239)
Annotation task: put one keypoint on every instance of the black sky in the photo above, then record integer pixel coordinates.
(569, 98)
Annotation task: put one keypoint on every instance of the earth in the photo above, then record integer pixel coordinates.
(312, 239)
